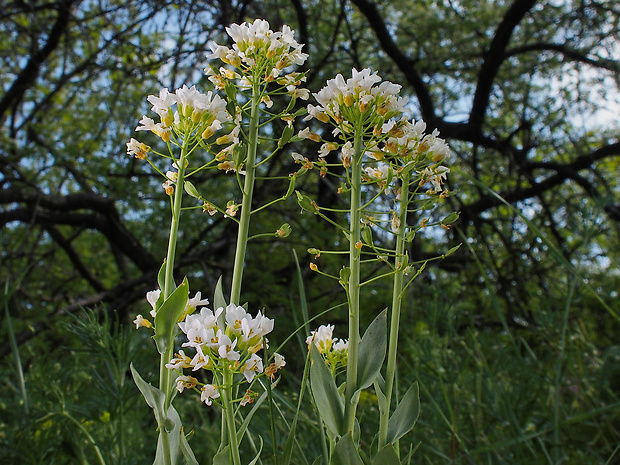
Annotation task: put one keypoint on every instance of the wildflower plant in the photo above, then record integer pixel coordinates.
(388, 167)
(225, 123)
(382, 152)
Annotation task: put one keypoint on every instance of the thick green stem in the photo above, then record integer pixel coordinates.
(165, 375)
(246, 205)
(396, 307)
(354, 283)
(229, 414)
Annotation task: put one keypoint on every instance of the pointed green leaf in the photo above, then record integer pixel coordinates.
(260, 449)
(328, 401)
(186, 450)
(219, 301)
(222, 457)
(379, 386)
(345, 452)
(153, 396)
(372, 352)
(161, 276)
(386, 456)
(168, 315)
(406, 414)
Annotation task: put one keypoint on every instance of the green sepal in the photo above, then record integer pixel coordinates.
(386, 456)
(406, 414)
(372, 352)
(191, 190)
(168, 316)
(326, 396)
(345, 452)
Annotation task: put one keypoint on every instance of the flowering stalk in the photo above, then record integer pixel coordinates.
(397, 295)
(165, 377)
(354, 281)
(248, 190)
(229, 415)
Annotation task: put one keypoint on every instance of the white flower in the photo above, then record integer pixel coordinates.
(162, 105)
(322, 338)
(185, 382)
(436, 176)
(235, 315)
(200, 359)
(180, 361)
(137, 149)
(195, 302)
(340, 344)
(252, 366)
(379, 173)
(278, 360)
(226, 347)
(152, 297)
(141, 322)
(208, 392)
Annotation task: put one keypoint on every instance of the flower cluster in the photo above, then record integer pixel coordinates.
(333, 350)
(195, 112)
(224, 339)
(257, 50)
(357, 101)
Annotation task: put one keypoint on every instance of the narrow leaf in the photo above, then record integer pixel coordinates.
(219, 301)
(406, 414)
(222, 457)
(161, 276)
(260, 449)
(328, 400)
(372, 352)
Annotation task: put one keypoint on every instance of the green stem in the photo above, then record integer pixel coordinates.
(248, 190)
(229, 413)
(354, 284)
(165, 375)
(397, 294)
